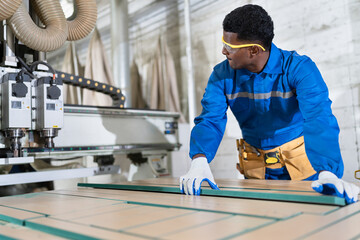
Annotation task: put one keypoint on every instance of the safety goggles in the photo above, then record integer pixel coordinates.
(234, 48)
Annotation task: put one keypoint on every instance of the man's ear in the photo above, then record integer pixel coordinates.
(254, 50)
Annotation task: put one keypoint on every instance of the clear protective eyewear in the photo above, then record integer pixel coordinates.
(234, 48)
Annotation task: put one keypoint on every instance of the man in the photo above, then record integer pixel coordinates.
(281, 103)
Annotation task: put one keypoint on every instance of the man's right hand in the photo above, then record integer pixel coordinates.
(190, 183)
(330, 184)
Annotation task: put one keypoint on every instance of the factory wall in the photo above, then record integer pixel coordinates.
(326, 31)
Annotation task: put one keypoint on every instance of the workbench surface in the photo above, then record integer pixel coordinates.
(154, 209)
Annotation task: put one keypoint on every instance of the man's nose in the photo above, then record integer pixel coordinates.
(224, 51)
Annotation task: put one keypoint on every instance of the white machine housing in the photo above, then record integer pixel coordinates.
(49, 112)
(16, 111)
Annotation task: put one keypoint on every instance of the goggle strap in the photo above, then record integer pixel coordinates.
(242, 45)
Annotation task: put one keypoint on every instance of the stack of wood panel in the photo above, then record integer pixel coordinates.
(154, 209)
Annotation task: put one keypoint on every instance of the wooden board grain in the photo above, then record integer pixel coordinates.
(84, 213)
(13, 231)
(47, 204)
(72, 230)
(161, 222)
(131, 217)
(302, 225)
(17, 216)
(178, 224)
(218, 229)
(208, 227)
(266, 209)
(346, 227)
(91, 213)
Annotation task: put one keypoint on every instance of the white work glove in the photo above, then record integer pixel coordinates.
(190, 184)
(330, 184)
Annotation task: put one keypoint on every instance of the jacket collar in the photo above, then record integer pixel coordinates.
(274, 64)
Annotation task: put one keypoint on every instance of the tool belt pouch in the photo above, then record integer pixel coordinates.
(296, 160)
(253, 162)
(239, 166)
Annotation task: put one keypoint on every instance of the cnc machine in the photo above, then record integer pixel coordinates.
(36, 124)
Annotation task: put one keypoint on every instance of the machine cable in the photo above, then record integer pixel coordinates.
(114, 92)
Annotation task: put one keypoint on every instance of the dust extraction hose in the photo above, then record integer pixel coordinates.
(41, 39)
(8, 8)
(57, 30)
(85, 20)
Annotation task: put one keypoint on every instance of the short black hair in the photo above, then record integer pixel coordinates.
(250, 22)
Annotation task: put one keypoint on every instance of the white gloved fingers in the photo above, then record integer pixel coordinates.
(338, 183)
(351, 192)
(182, 179)
(356, 191)
(348, 192)
(330, 184)
(189, 186)
(197, 185)
(316, 184)
(330, 181)
(327, 175)
(185, 185)
(333, 187)
(200, 170)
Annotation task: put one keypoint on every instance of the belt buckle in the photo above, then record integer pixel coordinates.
(357, 174)
(271, 158)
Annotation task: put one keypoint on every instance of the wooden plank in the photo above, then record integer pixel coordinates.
(218, 229)
(278, 185)
(154, 221)
(143, 219)
(305, 197)
(347, 228)
(13, 231)
(302, 225)
(84, 213)
(157, 181)
(161, 228)
(77, 231)
(131, 217)
(15, 215)
(239, 185)
(199, 225)
(270, 209)
(87, 213)
(48, 204)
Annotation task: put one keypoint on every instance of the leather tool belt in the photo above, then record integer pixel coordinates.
(253, 162)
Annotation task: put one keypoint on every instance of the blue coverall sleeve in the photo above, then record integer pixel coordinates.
(210, 125)
(321, 130)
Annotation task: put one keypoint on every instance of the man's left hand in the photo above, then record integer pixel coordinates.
(330, 184)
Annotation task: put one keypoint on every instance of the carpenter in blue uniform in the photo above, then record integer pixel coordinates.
(285, 100)
(282, 105)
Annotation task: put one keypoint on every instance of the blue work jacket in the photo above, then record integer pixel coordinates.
(288, 99)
